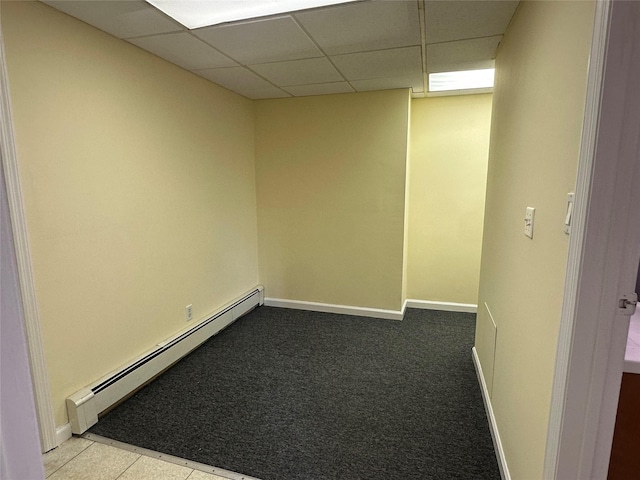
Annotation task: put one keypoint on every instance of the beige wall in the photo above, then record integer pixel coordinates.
(538, 110)
(449, 151)
(331, 197)
(139, 185)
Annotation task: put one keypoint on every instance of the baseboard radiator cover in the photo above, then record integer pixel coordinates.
(84, 406)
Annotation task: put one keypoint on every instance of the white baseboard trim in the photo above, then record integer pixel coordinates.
(493, 426)
(444, 306)
(330, 308)
(63, 433)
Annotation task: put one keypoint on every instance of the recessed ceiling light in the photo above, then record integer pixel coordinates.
(202, 13)
(464, 80)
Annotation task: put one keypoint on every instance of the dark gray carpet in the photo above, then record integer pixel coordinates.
(286, 395)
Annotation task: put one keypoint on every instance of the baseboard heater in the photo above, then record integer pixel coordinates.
(85, 405)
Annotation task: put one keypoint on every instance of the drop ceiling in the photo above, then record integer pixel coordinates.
(355, 47)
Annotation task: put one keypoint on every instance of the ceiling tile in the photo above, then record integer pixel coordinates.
(299, 72)
(242, 81)
(234, 76)
(319, 89)
(123, 19)
(363, 26)
(462, 54)
(185, 50)
(263, 93)
(261, 41)
(395, 62)
(415, 82)
(448, 21)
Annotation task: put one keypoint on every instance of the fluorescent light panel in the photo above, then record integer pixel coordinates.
(203, 13)
(464, 80)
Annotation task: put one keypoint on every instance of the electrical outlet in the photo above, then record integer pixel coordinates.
(528, 221)
(189, 313)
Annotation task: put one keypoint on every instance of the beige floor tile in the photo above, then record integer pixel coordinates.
(57, 457)
(98, 462)
(198, 475)
(147, 468)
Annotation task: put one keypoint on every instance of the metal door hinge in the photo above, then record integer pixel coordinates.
(627, 304)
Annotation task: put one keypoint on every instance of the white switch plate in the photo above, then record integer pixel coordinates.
(528, 221)
(189, 312)
(569, 215)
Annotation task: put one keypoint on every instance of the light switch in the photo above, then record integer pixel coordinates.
(567, 219)
(528, 221)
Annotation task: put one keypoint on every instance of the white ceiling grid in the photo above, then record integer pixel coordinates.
(366, 45)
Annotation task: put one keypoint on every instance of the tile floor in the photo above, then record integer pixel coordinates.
(82, 459)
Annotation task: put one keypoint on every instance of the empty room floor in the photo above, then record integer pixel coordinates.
(409, 406)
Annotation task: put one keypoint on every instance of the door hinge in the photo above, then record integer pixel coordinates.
(627, 304)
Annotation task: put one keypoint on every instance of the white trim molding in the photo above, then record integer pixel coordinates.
(42, 394)
(443, 306)
(371, 312)
(63, 433)
(493, 426)
(331, 308)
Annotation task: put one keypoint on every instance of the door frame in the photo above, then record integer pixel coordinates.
(39, 374)
(604, 250)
